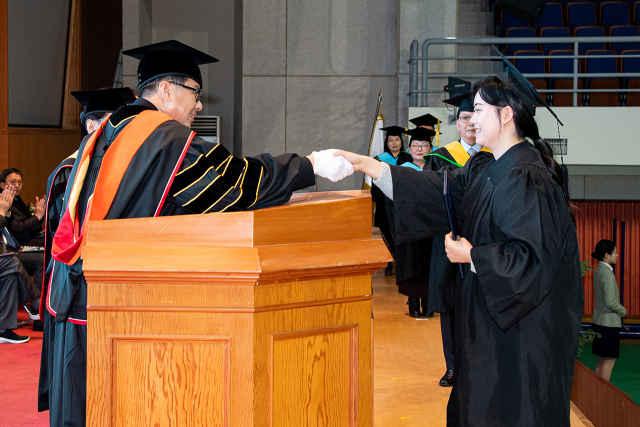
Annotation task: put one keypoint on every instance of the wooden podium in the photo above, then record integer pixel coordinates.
(258, 318)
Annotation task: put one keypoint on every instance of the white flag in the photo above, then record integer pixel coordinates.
(376, 145)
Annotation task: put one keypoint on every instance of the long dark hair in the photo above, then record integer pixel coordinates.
(386, 147)
(494, 92)
(603, 247)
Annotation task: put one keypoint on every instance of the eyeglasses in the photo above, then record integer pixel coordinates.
(466, 119)
(196, 91)
(14, 183)
(419, 146)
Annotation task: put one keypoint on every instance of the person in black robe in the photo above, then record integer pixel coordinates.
(413, 258)
(519, 312)
(442, 273)
(97, 107)
(394, 136)
(173, 172)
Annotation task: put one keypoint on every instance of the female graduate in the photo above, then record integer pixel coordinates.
(393, 145)
(413, 258)
(519, 311)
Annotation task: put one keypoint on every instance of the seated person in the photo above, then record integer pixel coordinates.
(16, 287)
(23, 225)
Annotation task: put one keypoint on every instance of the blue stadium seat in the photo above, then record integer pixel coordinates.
(581, 14)
(624, 31)
(589, 32)
(602, 65)
(563, 65)
(551, 16)
(614, 13)
(520, 32)
(510, 21)
(531, 66)
(555, 32)
(631, 65)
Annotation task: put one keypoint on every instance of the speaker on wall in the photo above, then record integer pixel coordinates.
(527, 10)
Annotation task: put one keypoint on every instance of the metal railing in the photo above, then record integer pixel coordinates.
(415, 60)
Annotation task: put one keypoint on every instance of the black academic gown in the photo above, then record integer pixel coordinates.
(412, 258)
(54, 201)
(518, 317)
(197, 188)
(442, 273)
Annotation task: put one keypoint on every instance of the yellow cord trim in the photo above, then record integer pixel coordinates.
(257, 188)
(222, 197)
(194, 182)
(190, 166)
(124, 120)
(205, 189)
(225, 161)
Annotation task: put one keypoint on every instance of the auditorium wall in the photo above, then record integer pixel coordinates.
(296, 76)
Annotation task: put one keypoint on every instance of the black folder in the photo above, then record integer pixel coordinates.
(451, 213)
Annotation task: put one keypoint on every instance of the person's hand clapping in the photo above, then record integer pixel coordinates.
(6, 200)
(39, 208)
(457, 250)
(328, 166)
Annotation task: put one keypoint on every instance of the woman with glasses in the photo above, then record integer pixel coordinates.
(412, 259)
(519, 309)
(419, 147)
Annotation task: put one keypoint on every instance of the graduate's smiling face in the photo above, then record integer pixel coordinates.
(485, 122)
(489, 123)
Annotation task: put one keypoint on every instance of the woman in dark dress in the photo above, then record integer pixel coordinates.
(519, 311)
(393, 145)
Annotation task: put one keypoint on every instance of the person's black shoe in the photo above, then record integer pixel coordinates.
(447, 379)
(425, 310)
(10, 337)
(414, 307)
(38, 326)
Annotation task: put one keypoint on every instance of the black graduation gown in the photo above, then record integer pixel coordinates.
(442, 273)
(413, 261)
(198, 187)
(517, 318)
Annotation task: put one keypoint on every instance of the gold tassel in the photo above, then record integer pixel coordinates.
(438, 135)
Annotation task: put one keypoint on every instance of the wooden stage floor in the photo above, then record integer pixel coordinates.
(408, 364)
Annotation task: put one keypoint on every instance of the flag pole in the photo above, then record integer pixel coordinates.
(373, 129)
(375, 120)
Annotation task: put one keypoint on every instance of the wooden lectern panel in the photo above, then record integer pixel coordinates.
(248, 319)
(315, 377)
(160, 378)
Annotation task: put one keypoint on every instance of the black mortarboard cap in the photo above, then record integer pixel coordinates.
(169, 58)
(426, 120)
(520, 86)
(102, 100)
(420, 134)
(394, 130)
(463, 102)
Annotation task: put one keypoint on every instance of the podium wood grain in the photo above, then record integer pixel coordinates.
(188, 326)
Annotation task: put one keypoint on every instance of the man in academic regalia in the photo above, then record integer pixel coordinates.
(443, 274)
(151, 164)
(97, 107)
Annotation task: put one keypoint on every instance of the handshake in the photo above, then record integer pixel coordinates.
(333, 168)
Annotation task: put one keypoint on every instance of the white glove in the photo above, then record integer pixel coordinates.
(334, 168)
